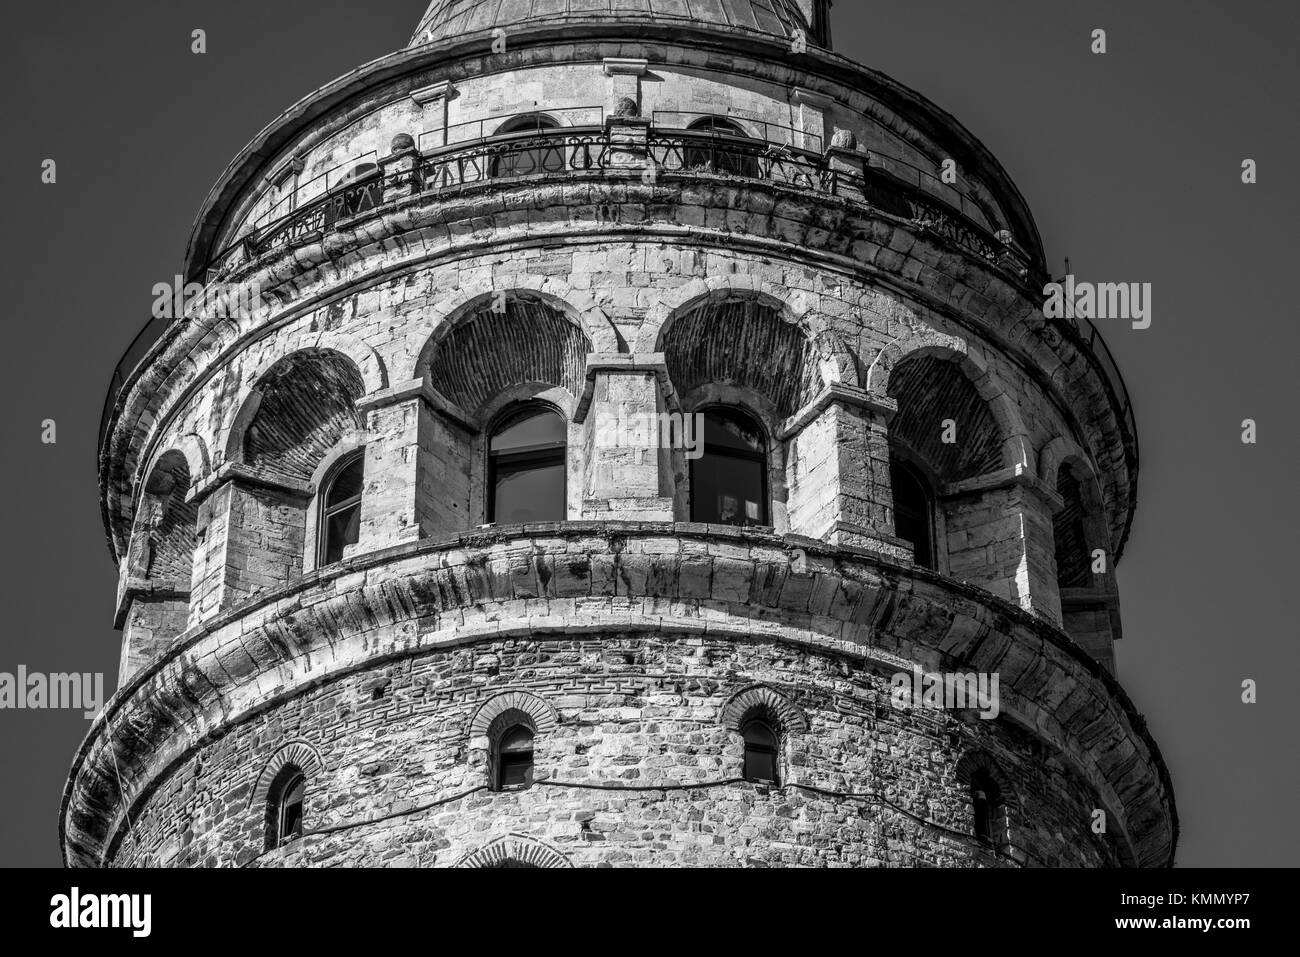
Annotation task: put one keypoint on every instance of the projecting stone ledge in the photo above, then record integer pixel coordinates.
(608, 578)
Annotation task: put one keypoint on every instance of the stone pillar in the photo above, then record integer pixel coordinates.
(999, 536)
(629, 141)
(848, 165)
(629, 434)
(837, 471)
(150, 621)
(251, 529)
(625, 79)
(810, 114)
(417, 471)
(401, 169)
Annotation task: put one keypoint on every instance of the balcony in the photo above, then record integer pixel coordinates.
(640, 147)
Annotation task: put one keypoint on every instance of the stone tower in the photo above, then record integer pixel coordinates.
(586, 431)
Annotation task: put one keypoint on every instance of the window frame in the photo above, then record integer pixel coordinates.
(326, 510)
(763, 459)
(906, 464)
(278, 835)
(525, 459)
(774, 751)
(501, 757)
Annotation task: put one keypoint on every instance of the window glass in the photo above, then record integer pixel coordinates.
(729, 480)
(341, 511)
(526, 468)
(760, 752)
(913, 513)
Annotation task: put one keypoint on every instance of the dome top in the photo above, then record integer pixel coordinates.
(449, 18)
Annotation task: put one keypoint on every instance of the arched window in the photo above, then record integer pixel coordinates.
(340, 518)
(715, 154)
(524, 154)
(513, 758)
(729, 479)
(526, 467)
(989, 812)
(762, 748)
(913, 510)
(285, 807)
(1070, 536)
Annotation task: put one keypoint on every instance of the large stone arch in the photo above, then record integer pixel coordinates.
(576, 305)
(374, 373)
(1016, 450)
(492, 345)
(750, 339)
(835, 361)
(307, 402)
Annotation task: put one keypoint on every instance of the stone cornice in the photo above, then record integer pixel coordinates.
(425, 595)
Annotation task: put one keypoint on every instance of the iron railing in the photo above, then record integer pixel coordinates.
(593, 150)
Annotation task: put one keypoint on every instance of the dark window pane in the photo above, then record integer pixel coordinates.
(759, 765)
(761, 748)
(527, 468)
(529, 493)
(531, 430)
(516, 770)
(291, 810)
(347, 484)
(983, 821)
(729, 480)
(518, 738)
(913, 521)
(342, 528)
(724, 430)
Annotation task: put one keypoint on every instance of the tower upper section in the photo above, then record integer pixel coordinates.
(779, 18)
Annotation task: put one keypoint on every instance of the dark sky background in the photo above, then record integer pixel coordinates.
(1130, 161)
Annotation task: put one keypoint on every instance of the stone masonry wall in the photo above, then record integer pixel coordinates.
(632, 774)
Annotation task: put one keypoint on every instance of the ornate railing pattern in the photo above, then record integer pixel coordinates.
(594, 149)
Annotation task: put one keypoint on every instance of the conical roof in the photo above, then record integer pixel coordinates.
(450, 18)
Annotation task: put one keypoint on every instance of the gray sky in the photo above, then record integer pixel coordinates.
(1130, 162)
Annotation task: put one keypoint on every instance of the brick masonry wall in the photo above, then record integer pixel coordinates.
(628, 776)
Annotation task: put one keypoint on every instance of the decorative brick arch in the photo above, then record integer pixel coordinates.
(300, 754)
(1017, 451)
(525, 850)
(540, 711)
(776, 708)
